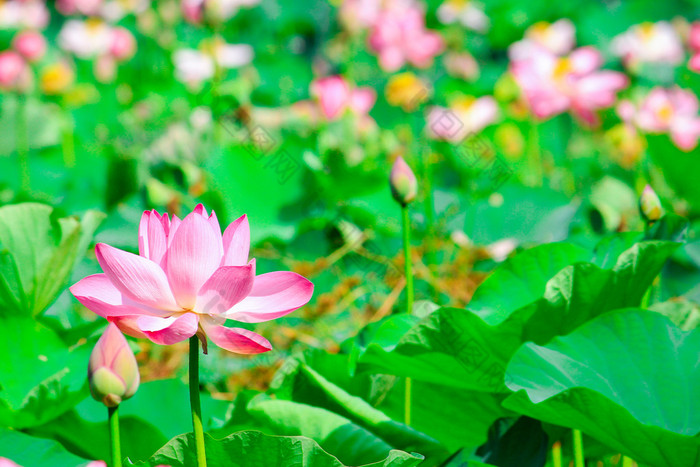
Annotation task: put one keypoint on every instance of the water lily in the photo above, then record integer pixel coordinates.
(188, 280)
(673, 111)
(469, 13)
(399, 36)
(465, 116)
(30, 44)
(336, 96)
(553, 84)
(557, 38)
(649, 43)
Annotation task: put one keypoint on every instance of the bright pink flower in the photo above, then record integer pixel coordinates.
(694, 37)
(553, 84)
(123, 45)
(336, 96)
(673, 111)
(694, 63)
(13, 69)
(30, 44)
(189, 279)
(399, 36)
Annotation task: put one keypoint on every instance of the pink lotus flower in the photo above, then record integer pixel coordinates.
(649, 43)
(123, 44)
(558, 38)
(84, 7)
(30, 44)
(399, 36)
(694, 44)
(464, 117)
(673, 111)
(13, 70)
(189, 279)
(335, 96)
(553, 85)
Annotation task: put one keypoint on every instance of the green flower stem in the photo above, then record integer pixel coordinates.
(22, 141)
(535, 155)
(578, 449)
(115, 443)
(407, 258)
(195, 404)
(556, 454)
(409, 298)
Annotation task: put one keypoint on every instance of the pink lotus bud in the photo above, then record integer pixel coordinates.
(31, 45)
(650, 205)
(12, 68)
(123, 45)
(403, 183)
(113, 372)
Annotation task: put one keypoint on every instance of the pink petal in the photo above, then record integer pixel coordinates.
(362, 100)
(193, 256)
(694, 63)
(98, 294)
(226, 287)
(273, 295)
(153, 242)
(137, 278)
(237, 242)
(585, 60)
(167, 331)
(128, 325)
(333, 94)
(237, 340)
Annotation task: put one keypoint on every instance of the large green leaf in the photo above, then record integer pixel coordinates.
(40, 377)
(471, 349)
(627, 378)
(29, 451)
(255, 449)
(37, 253)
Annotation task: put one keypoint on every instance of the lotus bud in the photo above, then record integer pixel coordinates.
(113, 372)
(403, 183)
(650, 205)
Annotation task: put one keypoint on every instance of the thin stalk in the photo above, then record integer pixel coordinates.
(534, 154)
(22, 142)
(407, 258)
(430, 258)
(578, 449)
(68, 140)
(409, 298)
(115, 443)
(556, 454)
(195, 404)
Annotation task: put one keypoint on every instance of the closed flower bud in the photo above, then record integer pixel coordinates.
(403, 183)
(113, 372)
(650, 205)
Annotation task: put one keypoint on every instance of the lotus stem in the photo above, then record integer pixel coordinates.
(409, 299)
(556, 454)
(195, 403)
(22, 142)
(114, 440)
(534, 154)
(578, 449)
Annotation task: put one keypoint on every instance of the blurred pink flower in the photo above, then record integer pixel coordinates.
(359, 14)
(189, 279)
(673, 111)
(30, 44)
(553, 84)
(694, 44)
(649, 43)
(84, 7)
(335, 96)
(399, 36)
(23, 14)
(13, 70)
(123, 44)
(558, 38)
(5, 462)
(85, 39)
(464, 117)
(469, 14)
